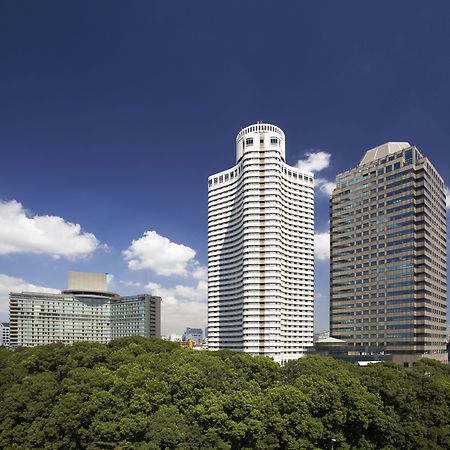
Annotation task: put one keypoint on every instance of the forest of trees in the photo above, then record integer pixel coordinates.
(137, 393)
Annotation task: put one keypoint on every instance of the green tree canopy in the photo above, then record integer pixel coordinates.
(138, 393)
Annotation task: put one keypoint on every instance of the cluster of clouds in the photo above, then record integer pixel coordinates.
(24, 232)
(316, 162)
(160, 255)
(184, 304)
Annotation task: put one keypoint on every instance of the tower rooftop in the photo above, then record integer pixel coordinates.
(383, 150)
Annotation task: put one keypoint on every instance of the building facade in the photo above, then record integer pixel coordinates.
(81, 314)
(388, 255)
(4, 334)
(194, 334)
(136, 315)
(261, 250)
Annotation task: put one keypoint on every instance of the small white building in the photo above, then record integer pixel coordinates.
(4, 334)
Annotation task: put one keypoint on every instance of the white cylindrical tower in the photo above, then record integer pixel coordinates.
(261, 250)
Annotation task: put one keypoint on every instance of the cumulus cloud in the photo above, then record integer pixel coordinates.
(12, 284)
(447, 197)
(132, 284)
(322, 246)
(181, 306)
(21, 232)
(162, 256)
(200, 272)
(315, 161)
(324, 185)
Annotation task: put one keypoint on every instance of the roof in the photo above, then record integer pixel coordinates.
(329, 340)
(383, 150)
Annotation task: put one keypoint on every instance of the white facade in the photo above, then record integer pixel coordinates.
(261, 250)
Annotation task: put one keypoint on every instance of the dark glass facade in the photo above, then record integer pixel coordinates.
(388, 255)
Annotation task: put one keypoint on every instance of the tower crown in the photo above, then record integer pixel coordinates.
(260, 134)
(383, 150)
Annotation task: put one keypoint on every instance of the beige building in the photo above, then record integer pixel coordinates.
(388, 255)
(84, 312)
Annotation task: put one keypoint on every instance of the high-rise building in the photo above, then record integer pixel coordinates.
(388, 255)
(261, 250)
(4, 334)
(84, 312)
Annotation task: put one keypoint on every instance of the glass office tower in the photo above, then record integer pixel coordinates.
(388, 255)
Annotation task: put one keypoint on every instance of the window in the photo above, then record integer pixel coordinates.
(274, 141)
(249, 141)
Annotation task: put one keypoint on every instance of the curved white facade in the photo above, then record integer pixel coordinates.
(261, 250)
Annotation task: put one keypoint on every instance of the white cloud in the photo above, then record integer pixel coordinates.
(133, 284)
(322, 246)
(318, 295)
(447, 197)
(162, 256)
(315, 161)
(21, 232)
(200, 272)
(324, 185)
(12, 284)
(181, 306)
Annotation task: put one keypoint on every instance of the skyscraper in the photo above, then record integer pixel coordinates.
(261, 250)
(388, 254)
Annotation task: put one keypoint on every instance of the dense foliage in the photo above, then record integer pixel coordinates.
(148, 394)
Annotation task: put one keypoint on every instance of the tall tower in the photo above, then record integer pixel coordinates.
(388, 255)
(261, 250)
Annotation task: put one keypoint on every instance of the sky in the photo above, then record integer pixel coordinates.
(113, 114)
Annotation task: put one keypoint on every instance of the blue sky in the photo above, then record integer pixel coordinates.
(113, 114)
